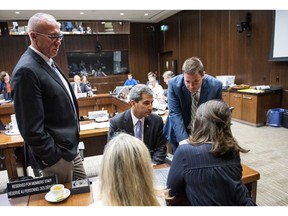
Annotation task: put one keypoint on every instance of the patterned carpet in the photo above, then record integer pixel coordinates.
(268, 155)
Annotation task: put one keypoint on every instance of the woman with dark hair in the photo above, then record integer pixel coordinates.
(5, 87)
(207, 170)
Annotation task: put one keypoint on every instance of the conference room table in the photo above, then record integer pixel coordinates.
(9, 143)
(249, 178)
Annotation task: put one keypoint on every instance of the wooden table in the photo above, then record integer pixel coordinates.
(9, 143)
(83, 199)
(249, 177)
(97, 102)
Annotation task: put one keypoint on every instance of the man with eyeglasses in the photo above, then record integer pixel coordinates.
(193, 85)
(45, 105)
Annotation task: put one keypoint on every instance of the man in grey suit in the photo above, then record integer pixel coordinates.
(141, 99)
(45, 105)
(181, 89)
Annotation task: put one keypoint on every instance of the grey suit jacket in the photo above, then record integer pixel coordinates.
(179, 103)
(46, 117)
(154, 137)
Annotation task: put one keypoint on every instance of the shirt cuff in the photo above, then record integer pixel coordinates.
(183, 142)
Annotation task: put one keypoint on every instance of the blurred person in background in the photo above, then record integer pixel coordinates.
(5, 87)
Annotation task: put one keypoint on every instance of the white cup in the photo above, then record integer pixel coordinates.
(57, 191)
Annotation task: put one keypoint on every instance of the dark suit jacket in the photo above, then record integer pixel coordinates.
(84, 88)
(44, 111)
(179, 104)
(154, 137)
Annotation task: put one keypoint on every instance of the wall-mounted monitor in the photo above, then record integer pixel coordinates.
(103, 63)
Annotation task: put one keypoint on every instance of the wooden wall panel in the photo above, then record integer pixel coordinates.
(214, 40)
(210, 35)
(189, 36)
(142, 51)
(12, 47)
(141, 45)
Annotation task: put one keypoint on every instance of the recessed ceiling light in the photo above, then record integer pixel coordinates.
(146, 14)
(82, 13)
(17, 12)
(121, 14)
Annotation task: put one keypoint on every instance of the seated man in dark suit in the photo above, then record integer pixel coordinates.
(151, 133)
(78, 86)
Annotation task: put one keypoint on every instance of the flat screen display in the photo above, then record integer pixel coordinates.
(279, 44)
(103, 63)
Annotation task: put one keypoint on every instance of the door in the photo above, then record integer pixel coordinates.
(165, 62)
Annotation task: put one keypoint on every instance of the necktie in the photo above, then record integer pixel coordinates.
(139, 130)
(78, 89)
(193, 109)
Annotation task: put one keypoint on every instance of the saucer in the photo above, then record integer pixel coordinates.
(50, 198)
(160, 112)
(10, 133)
(102, 119)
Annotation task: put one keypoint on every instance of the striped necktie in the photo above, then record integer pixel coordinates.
(139, 130)
(193, 109)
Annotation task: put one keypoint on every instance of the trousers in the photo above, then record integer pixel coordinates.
(66, 171)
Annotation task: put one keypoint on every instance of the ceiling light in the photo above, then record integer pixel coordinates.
(146, 14)
(121, 14)
(17, 12)
(82, 13)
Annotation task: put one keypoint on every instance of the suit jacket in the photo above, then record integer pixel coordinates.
(46, 116)
(84, 88)
(206, 179)
(179, 104)
(154, 137)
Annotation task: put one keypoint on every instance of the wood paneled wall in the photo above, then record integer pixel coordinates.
(140, 43)
(212, 36)
(209, 34)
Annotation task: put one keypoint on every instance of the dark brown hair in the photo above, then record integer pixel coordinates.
(212, 125)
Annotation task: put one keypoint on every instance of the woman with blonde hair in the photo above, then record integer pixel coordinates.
(126, 175)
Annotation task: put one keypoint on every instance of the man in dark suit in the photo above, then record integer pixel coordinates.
(141, 99)
(181, 89)
(78, 86)
(45, 105)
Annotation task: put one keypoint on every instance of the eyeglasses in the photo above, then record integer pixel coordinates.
(52, 37)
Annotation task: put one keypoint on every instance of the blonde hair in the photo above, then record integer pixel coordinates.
(126, 173)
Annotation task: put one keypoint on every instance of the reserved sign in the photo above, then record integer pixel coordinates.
(31, 186)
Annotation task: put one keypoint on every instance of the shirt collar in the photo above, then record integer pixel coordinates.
(135, 119)
(49, 61)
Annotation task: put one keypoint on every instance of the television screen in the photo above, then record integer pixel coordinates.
(279, 45)
(103, 63)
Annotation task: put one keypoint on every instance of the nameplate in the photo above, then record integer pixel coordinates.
(29, 187)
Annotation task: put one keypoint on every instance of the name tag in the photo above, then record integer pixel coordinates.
(31, 186)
